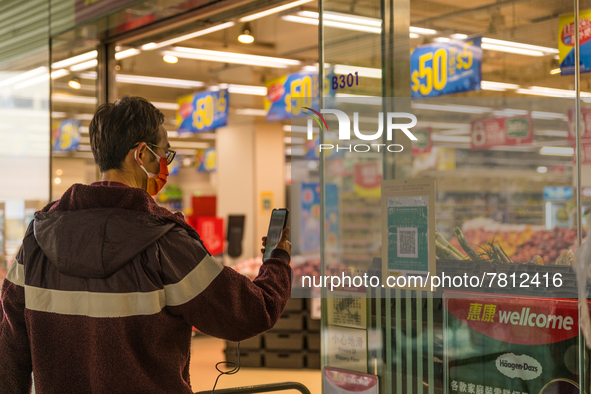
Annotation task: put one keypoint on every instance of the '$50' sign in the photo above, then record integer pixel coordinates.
(445, 68)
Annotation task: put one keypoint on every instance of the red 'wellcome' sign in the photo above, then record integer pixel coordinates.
(522, 321)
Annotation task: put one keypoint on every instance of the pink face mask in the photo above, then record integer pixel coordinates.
(155, 181)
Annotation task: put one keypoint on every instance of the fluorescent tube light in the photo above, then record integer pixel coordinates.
(500, 86)
(153, 45)
(552, 133)
(156, 81)
(413, 35)
(557, 151)
(452, 108)
(57, 115)
(32, 81)
(83, 116)
(458, 36)
(85, 65)
(24, 76)
(510, 112)
(328, 23)
(75, 60)
(67, 98)
(161, 105)
(127, 53)
(519, 51)
(59, 73)
(273, 10)
(548, 115)
(345, 18)
(555, 71)
(363, 71)
(550, 92)
(422, 31)
(251, 112)
(231, 57)
(519, 45)
(247, 89)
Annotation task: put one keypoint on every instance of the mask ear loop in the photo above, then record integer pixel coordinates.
(141, 166)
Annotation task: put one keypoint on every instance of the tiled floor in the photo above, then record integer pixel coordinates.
(207, 351)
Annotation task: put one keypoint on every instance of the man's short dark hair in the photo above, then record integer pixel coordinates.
(116, 127)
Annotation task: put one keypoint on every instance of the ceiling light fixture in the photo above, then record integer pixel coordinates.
(499, 86)
(251, 112)
(127, 53)
(84, 66)
(506, 49)
(555, 71)
(550, 92)
(519, 45)
(170, 59)
(274, 10)
(74, 83)
(246, 37)
(453, 108)
(247, 89)
(556, 151)
(67, 98)
(24, 76)
(156, 81)
(153, 45)
(231, 57)
(75, 59)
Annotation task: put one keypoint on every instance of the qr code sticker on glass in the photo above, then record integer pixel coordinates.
(407, 245)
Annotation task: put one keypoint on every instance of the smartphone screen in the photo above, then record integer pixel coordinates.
(278, 220)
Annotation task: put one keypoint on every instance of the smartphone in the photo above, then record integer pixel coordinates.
(276, 226)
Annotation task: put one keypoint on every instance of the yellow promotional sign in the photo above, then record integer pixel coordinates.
(566, 42)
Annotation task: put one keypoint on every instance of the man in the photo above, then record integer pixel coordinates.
(104, 291)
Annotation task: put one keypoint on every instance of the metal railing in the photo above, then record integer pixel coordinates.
(261, 388)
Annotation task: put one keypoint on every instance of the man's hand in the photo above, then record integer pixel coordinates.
(283, 242)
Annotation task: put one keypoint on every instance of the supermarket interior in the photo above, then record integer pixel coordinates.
(493, 88)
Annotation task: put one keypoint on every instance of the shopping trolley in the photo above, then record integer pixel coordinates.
(261, 388)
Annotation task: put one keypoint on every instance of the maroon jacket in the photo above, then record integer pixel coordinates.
(104, 291)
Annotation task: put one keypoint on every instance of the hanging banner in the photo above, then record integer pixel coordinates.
(211, 230)
(302, 86)
(66, 136)
(490, 132)
(496, 344)
(424, 142)
(207, 160)
(566, 42)
(584, 125)
(446, 67)
(202, 111)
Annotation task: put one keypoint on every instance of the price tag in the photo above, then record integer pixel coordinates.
(446, 68)
(202, 111)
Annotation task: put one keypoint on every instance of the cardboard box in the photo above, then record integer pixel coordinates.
(291, 360)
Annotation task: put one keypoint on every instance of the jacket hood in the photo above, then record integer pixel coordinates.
(94, 243)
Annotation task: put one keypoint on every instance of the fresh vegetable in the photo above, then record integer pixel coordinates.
(441, 239)
(444, 252)
(537, 260)
(501, 255)
(466, 245)
(566, 258)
